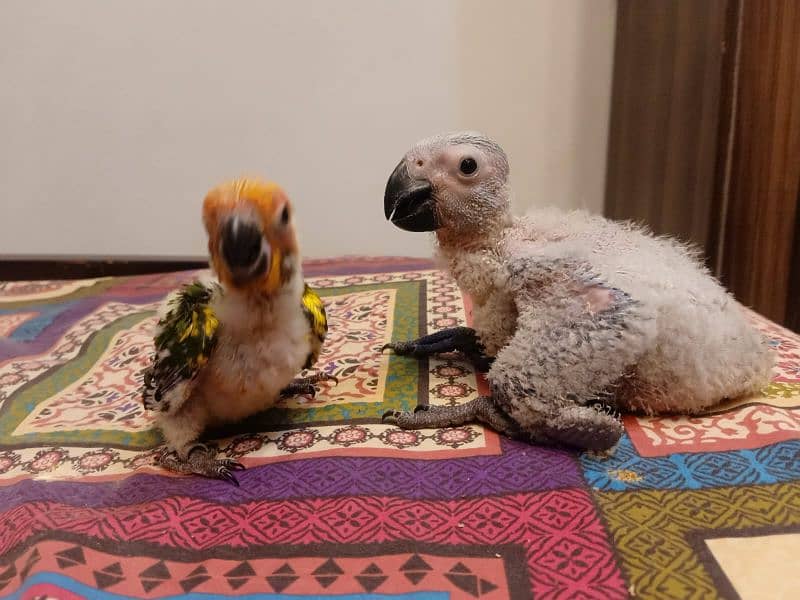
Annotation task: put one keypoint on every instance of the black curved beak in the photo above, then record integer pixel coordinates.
(409, 203)
(242, 250)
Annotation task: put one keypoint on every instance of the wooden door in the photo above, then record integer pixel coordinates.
(704, 138)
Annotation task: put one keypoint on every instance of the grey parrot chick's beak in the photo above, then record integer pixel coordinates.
(409, 203)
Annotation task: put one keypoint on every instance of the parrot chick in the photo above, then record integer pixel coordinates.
(229, 347)
(576, 317)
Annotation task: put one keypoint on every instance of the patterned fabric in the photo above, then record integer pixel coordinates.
(335, 503)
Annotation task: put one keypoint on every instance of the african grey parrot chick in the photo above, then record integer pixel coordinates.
(575, 316)
(227, 349)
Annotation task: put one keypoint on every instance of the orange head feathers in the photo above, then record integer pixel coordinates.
(250, 233)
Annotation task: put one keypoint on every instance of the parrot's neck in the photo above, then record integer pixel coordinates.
(487, 237)
(252, 311)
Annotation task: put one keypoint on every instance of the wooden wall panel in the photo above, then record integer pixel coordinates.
(760, 228)
(665, 114)
(704, 141)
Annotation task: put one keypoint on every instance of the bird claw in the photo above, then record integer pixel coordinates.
(306, 385)
(200, 460)
(224, 469)
(404, 419)
(234, 465)
(326, 377)
(226, 475)
(399, 348)
(300, 390)
(390, 417)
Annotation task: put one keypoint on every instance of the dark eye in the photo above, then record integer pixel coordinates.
(285, 215)
(468, 166)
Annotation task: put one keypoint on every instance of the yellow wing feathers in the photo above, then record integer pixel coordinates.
(185, 339)
(314, 310)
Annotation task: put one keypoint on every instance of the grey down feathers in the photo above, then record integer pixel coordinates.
(576, 317)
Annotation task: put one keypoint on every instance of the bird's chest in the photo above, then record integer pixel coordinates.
(251, 370)
(494, 320)
(478, 274)
(482, 277)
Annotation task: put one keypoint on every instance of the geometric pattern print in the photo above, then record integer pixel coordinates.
(359, 315)
(261, 448)
(335, 503)
(518, 468)
(105, 397)
(564, 543)
(72, 410)
(12, 322)
(395, 567)
(60, 342)
(750, 563)
(653, 531)
(627, 470)
(22, 291)
(742, 427)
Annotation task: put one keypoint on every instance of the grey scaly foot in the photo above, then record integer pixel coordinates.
(481, 409)
(456, 339)
(306, 385)
(201, 460)
(585, 427)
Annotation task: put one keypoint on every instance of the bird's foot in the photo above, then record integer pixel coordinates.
(306, 386)
(585, 427)
(422, 417)
(447, 340)
(478, 410)
(201, 460)
(456, 339)
(399, 348)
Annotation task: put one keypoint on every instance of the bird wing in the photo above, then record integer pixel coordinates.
(184, 340)
(314, 310)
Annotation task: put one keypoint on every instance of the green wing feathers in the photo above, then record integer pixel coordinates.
(186, 337)
(314, 310)
(184, 340)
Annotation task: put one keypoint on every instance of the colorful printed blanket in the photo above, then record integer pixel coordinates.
(334, 503)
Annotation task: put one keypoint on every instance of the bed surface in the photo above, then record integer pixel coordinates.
(334, 503)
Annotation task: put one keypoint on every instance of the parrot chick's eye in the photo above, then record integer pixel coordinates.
(285, 215)
(468, 166)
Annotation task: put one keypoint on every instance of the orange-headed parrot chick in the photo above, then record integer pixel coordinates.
(229, 347)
